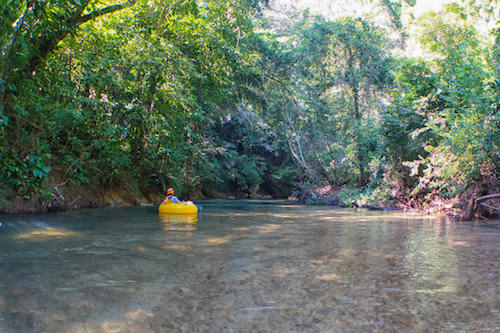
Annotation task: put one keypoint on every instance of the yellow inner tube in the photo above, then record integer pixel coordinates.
(177, 209)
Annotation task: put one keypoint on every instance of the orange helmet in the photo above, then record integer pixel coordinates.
(170, 191)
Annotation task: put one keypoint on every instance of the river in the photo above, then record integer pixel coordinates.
(247, 266)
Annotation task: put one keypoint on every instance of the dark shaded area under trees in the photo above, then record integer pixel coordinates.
(122, 100)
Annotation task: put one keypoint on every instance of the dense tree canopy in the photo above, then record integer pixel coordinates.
(212, 97)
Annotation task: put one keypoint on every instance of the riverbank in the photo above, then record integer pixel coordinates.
(73, 197)
(461, 208)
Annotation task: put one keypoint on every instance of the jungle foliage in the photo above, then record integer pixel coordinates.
(212, 97)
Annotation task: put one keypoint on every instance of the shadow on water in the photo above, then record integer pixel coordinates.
(246, 266)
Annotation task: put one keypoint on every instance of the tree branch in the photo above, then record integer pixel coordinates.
(486, 197)
(290, 94)
(79, 11)
(490, 207)
(480, 201)
(103, 11)
(46, 45)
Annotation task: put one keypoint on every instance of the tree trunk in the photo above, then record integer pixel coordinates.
(354, 84)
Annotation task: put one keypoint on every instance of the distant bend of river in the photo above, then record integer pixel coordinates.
(247, 266)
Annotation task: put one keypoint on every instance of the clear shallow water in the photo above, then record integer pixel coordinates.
(247, 266)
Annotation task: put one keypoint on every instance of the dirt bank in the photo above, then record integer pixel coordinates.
(462, 208)
(71, 197)
(489, 208)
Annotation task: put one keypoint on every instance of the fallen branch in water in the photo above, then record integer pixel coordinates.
(490, 207)
(480, 201)
(486, 197)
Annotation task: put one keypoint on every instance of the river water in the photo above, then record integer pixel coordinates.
(247, 266)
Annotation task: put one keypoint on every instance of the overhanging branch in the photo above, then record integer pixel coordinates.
(47, 44)
(103, 11)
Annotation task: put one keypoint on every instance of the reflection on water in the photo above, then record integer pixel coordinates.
(178, 222)
(178, 229)
(247, 266)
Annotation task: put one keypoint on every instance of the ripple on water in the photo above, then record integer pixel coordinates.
(242, 266)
